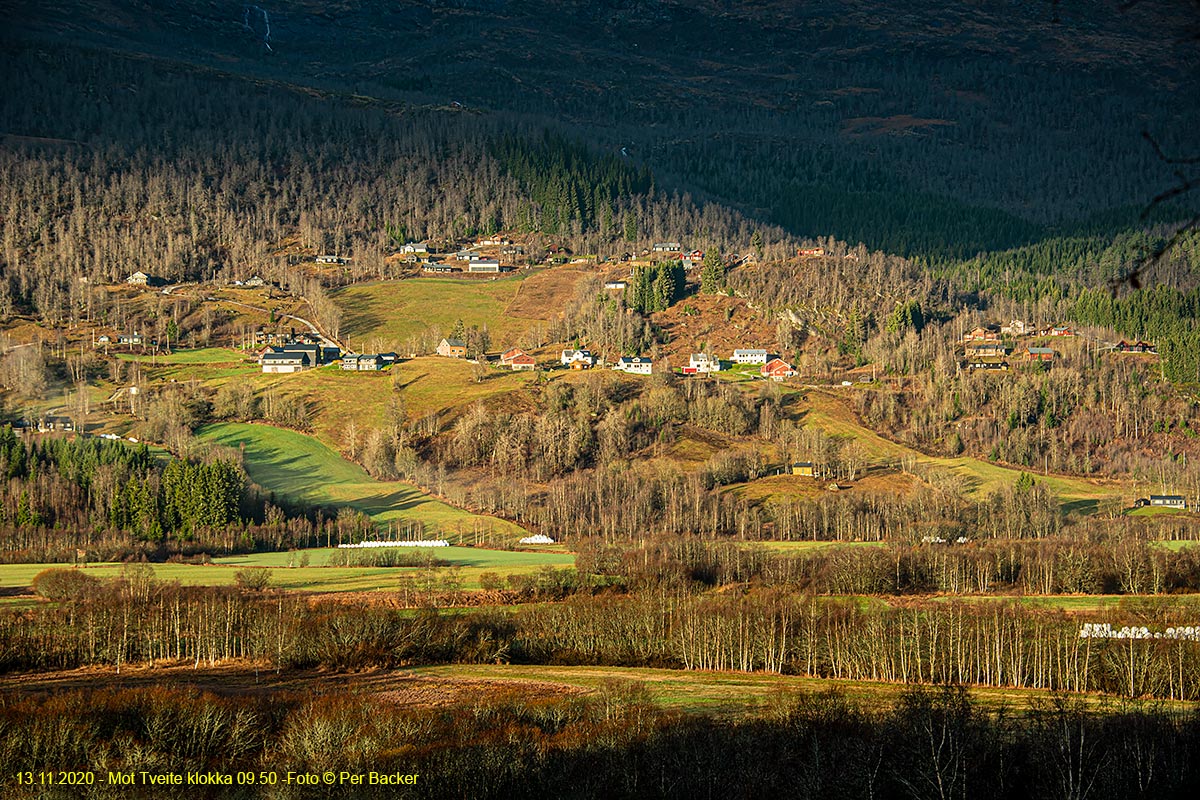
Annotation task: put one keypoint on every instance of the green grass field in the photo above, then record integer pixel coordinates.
(316, 577)
(1176, 546)
(201, 355)
(808, 546)
(303, 468)
(393, 311)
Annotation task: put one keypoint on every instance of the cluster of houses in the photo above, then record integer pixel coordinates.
(771, 367)
(1134, 347)
(475, 262)
(699, 363)
(984, 349)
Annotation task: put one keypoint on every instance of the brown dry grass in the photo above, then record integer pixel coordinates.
(543, 294)
(708, 327)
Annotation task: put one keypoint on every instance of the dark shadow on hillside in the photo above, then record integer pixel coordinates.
(1082, 506)
(398, 500)
(362, 314)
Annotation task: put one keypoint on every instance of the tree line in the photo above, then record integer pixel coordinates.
(997, 643)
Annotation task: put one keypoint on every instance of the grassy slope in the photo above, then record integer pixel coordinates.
(301, 467)
(396, 310)
(978, 477)
(201, 355)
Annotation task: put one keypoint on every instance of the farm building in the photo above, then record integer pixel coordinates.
(522, 362)
(438, 268)
(986, 350)
(1014, 328)
(982, 334)
(1039, 354)
(142, 279)
(486, 265)
(367, 362)
(332, 260)
(1134, 347)
(616, 285)
(636, 365)
(296, 357)
(465, 255)
(1168, 501)
(415, 247)
(749, 356)
(577, 359)
(804, 468)
(987, 366)
(281, 361)
(777, 369)
(131, 339)
(667, 247)
(452, 348)
(507, 356)
(702, 363)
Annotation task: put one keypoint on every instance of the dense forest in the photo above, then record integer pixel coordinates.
(109, 499)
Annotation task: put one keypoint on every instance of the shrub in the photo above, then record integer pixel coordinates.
(62, 584)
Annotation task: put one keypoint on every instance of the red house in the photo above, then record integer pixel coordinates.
(777, 369)
(523, 361)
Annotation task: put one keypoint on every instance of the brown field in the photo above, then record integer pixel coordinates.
(543, 294)
(692, 692)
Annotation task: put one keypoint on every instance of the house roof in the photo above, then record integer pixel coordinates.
(455, 342)
(285, 357)
(750, 352)
(1041, 351)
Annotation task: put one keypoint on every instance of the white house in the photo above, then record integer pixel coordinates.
(484, 265)
(749, 356)
(285, 361)
(415, 247)
(617, 285)
(667, 247)
(577, 359)
(1168, 500)
(702, 362)
(636, 365)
